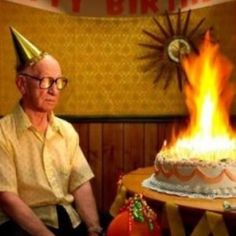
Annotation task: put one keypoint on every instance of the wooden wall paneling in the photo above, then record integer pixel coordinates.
(116, 148)
(169, 131)
(82, 129)
(150, 143)
(233, 122)
(178, 126)
(161, 135)
(112, 136)
(95, 159)
(133, 146)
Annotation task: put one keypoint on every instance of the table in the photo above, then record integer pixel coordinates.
(211, 212)
(132, 181)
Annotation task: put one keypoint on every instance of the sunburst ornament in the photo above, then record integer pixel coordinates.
(169, 45)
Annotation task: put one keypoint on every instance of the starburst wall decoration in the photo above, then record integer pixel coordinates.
(169, 45)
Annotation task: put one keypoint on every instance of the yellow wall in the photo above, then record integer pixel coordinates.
(99, 55)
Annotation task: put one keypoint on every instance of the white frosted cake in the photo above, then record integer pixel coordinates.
(201, 160)
(194, 177)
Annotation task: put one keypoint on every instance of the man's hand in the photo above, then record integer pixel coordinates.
(86, 208)
(22, 214)
(95, 231)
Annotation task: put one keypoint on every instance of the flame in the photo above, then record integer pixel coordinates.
(209, 94)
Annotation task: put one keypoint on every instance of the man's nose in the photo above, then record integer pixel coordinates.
(53, 88)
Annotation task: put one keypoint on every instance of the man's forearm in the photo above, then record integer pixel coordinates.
(22, 214)
(86, 207)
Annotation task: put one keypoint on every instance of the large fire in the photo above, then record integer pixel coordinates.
(209, 94)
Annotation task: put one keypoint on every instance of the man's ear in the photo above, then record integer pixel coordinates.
(21, 84)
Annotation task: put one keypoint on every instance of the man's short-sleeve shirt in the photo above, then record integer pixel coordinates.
(42, 169)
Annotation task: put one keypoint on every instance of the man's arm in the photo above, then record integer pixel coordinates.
(86, 207)
(21, 213)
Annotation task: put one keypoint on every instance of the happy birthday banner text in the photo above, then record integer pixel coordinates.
(114, 8)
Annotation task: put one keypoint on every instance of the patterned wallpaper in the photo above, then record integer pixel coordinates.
(100, 56)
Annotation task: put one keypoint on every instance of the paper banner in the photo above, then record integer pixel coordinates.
(114, 8)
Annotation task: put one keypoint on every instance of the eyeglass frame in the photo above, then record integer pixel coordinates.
(51, 79)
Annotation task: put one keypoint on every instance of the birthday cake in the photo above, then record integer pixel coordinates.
(193, 177)
(200, 161)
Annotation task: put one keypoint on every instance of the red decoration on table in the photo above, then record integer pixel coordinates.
(136, 218)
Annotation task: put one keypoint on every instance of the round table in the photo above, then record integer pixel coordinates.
(189, 210)
(132, 181)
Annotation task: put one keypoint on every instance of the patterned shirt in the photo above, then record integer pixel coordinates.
(42, 169)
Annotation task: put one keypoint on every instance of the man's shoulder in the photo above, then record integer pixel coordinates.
(7, 120)
(62, 121)
(11, 119)
(64, 125)
(7, 127)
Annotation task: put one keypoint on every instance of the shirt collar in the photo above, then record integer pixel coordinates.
(54, 123)
(23, 122)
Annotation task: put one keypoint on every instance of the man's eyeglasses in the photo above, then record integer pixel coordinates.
(47, 82)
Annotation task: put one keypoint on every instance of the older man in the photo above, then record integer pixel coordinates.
(44, 176)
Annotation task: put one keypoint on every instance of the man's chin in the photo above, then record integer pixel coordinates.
(47, 109)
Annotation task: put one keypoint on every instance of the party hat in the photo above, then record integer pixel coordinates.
(27, 52)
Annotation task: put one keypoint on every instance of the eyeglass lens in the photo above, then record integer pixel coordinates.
(47, 82)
